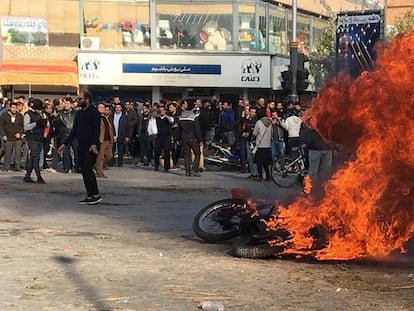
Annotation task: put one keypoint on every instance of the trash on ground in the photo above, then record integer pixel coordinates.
(210, 306)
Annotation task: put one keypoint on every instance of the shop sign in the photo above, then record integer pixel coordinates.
(174, 70)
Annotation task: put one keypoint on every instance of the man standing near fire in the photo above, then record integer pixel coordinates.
(319, 153)
(86, 129)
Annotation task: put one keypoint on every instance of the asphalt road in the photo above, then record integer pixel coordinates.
(136, 251)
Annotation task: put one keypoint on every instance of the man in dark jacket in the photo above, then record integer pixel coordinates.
(86, 129)
(34, 123)
(64, 124)
(227, 124)
(320, 156)
(121, 127)
(191, 139)
(163, 139)
(11, 129)
(145, 144)
(132, 127)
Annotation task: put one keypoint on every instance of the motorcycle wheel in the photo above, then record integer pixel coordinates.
(284, 177)
(263, 251)
(208, 223)
(213, 166)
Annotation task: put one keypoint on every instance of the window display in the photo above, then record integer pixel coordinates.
(118, 24)
(200, 25)
(278, 40)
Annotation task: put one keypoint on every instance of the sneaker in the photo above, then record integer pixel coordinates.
(90, 200)
(196, 174)
(40, 180)
(28, 180)
(101, 176)
(51, 170)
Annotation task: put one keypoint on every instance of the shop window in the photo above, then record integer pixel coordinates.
(118, 24)
(192, 25)
(303, 32)
(278, 39)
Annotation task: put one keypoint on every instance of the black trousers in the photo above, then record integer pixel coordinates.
(193, 145)
(87, 161)
(35, 148)
(162, 144)
(119, 149)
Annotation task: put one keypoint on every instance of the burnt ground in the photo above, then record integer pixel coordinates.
(136, 251)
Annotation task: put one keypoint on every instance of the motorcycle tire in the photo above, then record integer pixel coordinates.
(212, 165)
(216, 233)
(262, 251)
(284, 177)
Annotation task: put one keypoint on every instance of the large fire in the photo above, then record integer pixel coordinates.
(368, 206)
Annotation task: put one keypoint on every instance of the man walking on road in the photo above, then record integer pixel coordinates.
(86, 130)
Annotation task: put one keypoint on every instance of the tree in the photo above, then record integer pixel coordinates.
(403, 24)
(322, 57)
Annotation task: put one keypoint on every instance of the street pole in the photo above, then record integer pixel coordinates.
(294, 55)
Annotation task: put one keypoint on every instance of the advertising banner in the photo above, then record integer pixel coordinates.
(248, 71)
(356, 36)
(24, 30)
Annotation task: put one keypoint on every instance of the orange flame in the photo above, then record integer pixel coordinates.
(307, 184)
(368, 207)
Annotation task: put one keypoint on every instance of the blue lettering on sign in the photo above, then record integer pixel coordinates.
(172, 69)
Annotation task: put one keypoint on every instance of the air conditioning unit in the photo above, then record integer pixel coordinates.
(90, 43)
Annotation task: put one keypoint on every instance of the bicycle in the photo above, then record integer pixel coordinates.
(286, 171)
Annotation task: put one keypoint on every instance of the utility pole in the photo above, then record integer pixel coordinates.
(294, 55)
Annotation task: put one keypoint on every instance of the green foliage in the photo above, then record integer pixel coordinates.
(403, 24)
(322, 57)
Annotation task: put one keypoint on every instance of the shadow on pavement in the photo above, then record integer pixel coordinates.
(86, 290)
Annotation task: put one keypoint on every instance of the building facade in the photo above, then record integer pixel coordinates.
(154, 48)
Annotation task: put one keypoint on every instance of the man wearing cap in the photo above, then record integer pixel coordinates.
(34, 123)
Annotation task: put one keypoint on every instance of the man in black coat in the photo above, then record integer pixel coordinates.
(121, 127)
(34, 123)
(11, 129)
(163, 139)
(86, 130)
(191, 139)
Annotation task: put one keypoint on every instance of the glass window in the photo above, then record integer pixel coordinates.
(278, 40)
(195, 25)
(262, 38)
(118, 24)
(318, 25)
(252, 32)
(247, 27)
(303, 31)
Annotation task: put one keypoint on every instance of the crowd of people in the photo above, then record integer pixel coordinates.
(154, 134)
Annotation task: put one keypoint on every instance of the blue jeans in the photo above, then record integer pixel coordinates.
(278, 148)
(250, 158)
(67, 159)
(320, 166)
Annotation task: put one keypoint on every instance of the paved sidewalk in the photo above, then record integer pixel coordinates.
(136, 251)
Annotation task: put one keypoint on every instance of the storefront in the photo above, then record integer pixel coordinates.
(166, 75)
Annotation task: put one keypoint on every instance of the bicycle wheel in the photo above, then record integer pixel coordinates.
(284, 172)
(211, 160)
(219, 221)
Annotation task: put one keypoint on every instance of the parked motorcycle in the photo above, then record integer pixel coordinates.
(217, 156)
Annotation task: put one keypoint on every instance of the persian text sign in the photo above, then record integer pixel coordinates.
(24, 30)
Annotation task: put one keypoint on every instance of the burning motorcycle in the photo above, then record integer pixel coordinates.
(216, 156)
(238, 216)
